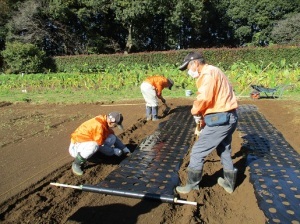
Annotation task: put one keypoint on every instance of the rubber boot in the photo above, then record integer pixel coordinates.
(148, 113)
(228, 182)
(194, 178)
(154, 113)
(76, 165)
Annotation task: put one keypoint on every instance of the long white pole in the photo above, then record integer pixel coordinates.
(119, 193)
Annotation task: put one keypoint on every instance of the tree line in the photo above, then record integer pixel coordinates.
(69, 27)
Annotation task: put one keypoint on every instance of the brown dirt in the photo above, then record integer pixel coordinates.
(33, 152)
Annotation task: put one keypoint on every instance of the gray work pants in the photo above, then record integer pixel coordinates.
(210, 138)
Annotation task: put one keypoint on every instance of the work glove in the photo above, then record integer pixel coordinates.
(199, 124)
(197, 119)
(163, 100)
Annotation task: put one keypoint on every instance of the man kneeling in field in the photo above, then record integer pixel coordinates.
(93, 135)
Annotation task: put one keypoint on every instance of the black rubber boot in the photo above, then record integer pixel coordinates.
(76, 165)
(194, 178)
(154, 113)
(228, 182)
(148, 113)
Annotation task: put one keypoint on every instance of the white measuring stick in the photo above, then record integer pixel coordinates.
(66, 185)
(185, 202)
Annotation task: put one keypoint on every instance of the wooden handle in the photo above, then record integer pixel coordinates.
(198, 127)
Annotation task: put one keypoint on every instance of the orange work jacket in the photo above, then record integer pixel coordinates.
(215, 94)
(158, 82)
(95, 129)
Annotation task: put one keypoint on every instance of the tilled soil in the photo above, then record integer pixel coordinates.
(34, 142)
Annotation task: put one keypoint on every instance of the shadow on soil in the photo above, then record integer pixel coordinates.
(113, 213)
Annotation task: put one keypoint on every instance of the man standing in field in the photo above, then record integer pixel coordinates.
(93, 135)
(152, 89)
(215, 108)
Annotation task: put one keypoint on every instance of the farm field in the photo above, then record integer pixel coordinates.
(34, 142)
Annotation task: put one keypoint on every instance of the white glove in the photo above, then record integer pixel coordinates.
(197, 119)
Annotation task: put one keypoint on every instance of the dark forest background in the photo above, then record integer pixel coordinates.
(73, 27)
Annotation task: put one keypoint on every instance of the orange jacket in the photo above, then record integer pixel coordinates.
(215, 93)
(158, 82)
(95, 129)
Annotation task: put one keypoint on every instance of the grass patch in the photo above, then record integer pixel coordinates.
(82, 96)
(69, 96)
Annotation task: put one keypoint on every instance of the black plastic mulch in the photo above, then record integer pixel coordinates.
(274, 167)
(153, 166)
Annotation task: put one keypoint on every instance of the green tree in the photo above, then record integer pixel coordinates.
(103, 34)
(26, 58)
(6, 9)
(65, 27)
(129, 13)
(215, 29)
(26, 25)
(71, 27)
(287, 31)
(186, 23)
(252, 21)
